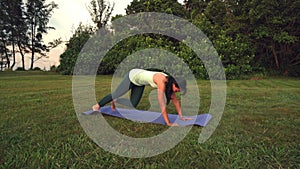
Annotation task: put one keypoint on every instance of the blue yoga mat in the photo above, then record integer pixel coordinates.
(151, 117)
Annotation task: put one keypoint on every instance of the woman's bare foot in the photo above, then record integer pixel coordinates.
(113, 106)
(96, 107)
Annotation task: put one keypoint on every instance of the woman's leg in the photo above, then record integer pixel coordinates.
(123, 88)
(136, 95)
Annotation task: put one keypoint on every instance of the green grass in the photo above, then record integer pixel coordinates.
(260, 127)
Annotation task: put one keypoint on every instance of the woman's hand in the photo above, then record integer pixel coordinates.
(172, 124)
(185, 118)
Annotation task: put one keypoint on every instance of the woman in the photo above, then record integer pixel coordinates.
(136, 80)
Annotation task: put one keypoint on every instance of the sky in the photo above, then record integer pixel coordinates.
(65, 19)
(71, 12)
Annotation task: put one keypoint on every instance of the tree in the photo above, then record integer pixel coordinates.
(249, 35)
(100, 12)
(20, 32)
(11, 12)
(269, 29)
(163, 6)
(274, 31)
(4, 32)
(22, 28)
(74, 46)
(37, 17)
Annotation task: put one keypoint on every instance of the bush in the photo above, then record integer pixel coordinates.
(37, 69)
(8, 70)
(20, 69)
(53, 68)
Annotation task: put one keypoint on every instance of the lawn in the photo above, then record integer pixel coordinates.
(260, 127)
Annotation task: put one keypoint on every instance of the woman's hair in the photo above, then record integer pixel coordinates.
(179, 82)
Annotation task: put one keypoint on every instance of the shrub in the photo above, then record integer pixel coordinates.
(37, 69)
(20, 69)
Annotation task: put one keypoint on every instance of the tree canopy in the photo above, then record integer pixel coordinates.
(22, 29)
(250, 36)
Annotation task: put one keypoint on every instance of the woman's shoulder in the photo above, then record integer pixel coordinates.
(159, 77)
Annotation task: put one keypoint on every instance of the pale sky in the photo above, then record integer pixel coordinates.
(67, 18)
(71, 12)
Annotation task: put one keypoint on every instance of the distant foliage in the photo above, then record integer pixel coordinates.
(250, 37)
(74, 46)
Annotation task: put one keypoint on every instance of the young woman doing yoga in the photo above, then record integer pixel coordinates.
(136, 80)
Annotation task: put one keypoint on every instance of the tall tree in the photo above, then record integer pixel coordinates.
(37, 15)
(100, 11)
(19, 30)
(3, 31)
(22, 42)
(11, 18)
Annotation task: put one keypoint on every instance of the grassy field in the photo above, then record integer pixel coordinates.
(260, 127)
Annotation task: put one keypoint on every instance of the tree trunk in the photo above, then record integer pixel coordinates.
(23, 61)
(295, 61)
(275, 56)
(22, 55)
(6, 53)
(32, 59)
(32, 46)
(1, 64)
(13, 55)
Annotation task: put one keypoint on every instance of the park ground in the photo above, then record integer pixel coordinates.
(260, 127)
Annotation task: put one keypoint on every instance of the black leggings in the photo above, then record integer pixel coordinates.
(124, 87)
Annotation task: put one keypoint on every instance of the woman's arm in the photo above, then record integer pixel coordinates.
(160, 81)
(178, 108)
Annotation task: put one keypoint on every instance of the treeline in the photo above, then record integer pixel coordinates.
(22, 26)
(252, 36)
